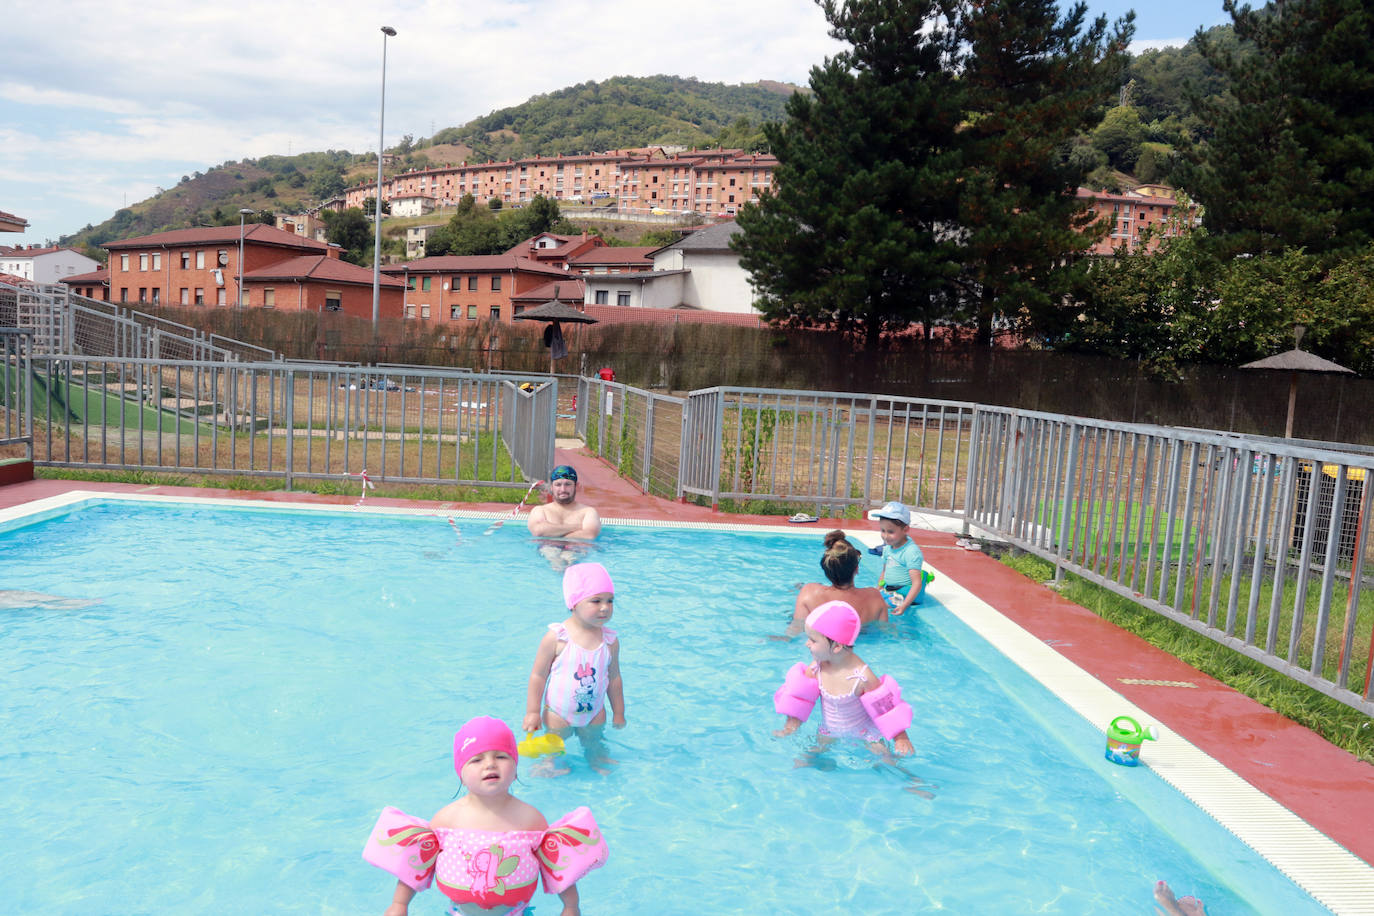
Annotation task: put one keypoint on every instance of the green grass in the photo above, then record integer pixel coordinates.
(1342, 726)
(54, 398)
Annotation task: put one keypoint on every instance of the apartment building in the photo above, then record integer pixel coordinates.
(469, 287)
(553, 250)
(1130, 213)
(44, 264)
(200, 266)
(639, 180)
(306, 225)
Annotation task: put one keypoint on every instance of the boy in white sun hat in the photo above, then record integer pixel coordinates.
(903, 580)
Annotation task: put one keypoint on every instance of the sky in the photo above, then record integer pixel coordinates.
(103, 102)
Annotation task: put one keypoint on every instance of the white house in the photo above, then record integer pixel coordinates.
(45, 265)
(413, 205)
(698, 271)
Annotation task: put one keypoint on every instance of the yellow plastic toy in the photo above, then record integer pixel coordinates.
(540, 746)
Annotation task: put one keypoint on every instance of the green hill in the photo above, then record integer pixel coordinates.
(620, 112)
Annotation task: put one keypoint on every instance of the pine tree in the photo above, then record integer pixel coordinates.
(1031, 83)
(1290, 162)
(856, 235)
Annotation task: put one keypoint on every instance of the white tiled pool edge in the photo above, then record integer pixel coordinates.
(1323, 868)
(1338, 879)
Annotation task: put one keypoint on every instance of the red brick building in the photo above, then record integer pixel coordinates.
(200, 266)
(469, 287)
(94, 285)
(319, 283)
(1130, 213)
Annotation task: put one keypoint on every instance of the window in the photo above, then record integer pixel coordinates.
(124, 294)
(269, 298)
(410, 284)
(221, 298)
(245, 298)
(622, 298)
(200, 260)
(424, 311)
(410, 311)
(123, 262)
(143, 262)
(157, 297)
(142, 294)
(495, 283)
(472, 313)
(186, 260)
(200, 296)
(496, 313)
(732, 182)
(185, 296)
(732, 198)
(333, 300)
(472, 283)
(424, 283)
(603, 297)
(454, 312)
(157, 260)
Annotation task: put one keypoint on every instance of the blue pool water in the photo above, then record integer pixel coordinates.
(218, 730)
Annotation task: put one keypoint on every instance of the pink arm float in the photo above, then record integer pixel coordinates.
(571, 847)
(886, 707)
(798, 694)
(405, 846)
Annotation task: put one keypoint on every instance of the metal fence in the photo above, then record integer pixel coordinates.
(640, 432)
(290, 421)
(63, 322)
(1261, 545)
(834, 451)
(16, 395)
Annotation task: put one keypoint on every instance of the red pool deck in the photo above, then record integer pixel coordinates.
(1330, 789)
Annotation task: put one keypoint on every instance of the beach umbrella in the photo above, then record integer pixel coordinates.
(1293, 362)
(555, 312)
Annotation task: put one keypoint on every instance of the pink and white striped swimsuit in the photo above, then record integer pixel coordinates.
(843, 715)
(578, 677)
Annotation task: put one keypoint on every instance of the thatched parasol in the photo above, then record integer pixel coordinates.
(1294, 361)
(556, 312)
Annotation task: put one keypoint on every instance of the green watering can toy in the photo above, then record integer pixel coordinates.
(1124, 737)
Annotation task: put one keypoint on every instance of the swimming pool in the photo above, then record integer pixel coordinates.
(217, 731)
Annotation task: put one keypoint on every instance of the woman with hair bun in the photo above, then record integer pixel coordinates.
(840, 563)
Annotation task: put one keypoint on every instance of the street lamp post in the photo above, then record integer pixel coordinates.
(245, 211)
(387, 32)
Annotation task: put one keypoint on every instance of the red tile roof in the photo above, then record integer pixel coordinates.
(321, 268)
(637, 256)
(96, 276)
(12, 280)
(257, 233)
(569, 290)
(19, 251)
(619, 314)
(474, 263)
(11, 223)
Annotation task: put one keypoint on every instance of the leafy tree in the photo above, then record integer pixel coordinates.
(1032, 81)
(327, 182)
(370, 204)
(855, 235)
(352, 231)
(1291, 159)
(494, 203)
(1119, 136)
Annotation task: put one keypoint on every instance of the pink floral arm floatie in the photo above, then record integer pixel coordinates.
(405, 846)
(490, 868)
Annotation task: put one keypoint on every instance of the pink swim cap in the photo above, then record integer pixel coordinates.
(837, 620)
(483, 733)
(582, 580)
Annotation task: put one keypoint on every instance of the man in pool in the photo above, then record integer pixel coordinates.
(567, 522)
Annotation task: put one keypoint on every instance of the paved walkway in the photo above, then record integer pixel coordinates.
(1329, 788)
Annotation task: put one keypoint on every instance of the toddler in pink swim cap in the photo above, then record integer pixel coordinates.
(855, 702)
(577, 666)
(453, 849)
